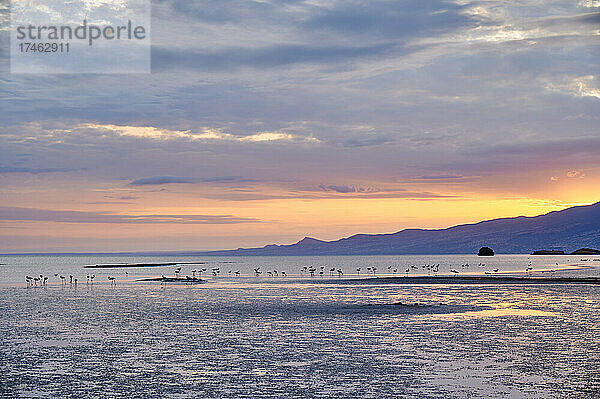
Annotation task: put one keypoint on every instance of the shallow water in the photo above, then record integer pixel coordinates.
(255, 337)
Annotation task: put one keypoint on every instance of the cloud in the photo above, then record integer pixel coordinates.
(35, 171)
(156, 180)
(346, 189)
(366, 140)
(590, 3)
(440, 177)
(122, 197)
(401, 20)
(106, 202)
(575, 173)
(44, 215)
(205, 134)
(359, 191)
(278, 55)
(581, 86)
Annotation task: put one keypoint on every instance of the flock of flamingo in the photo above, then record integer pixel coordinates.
(320, 272)
(42, 281)
(312, 271)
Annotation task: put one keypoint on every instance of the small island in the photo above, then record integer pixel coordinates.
(186, 280)
(118, 265)
(485, 251)
(586, 251)
(549, 252)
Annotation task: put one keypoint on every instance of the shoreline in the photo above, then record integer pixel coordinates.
(470, 280)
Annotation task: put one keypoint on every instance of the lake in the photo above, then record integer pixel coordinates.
(298, 336)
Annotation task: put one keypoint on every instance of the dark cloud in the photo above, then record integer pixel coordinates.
(400, 19)
(366, 140)
(590, 18)
(227, 59)
(35, 171)
(225, 11)
(44, 215)
(155, 180)
(345, 189)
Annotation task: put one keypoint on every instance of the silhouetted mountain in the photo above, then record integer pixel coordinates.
(566, 230)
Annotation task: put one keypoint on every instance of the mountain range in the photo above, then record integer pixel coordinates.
(566, 230)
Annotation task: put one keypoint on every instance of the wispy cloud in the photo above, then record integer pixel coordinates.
(204, 134)
(157, 180)
(439, 177)
(67, 216)
(581, 86)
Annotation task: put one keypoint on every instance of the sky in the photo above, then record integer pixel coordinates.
(266, 121)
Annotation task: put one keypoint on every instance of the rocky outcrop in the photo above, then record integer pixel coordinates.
(485, 251)
(586, 251)
(548, 252)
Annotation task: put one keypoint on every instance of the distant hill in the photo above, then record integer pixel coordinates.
(565, 230)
